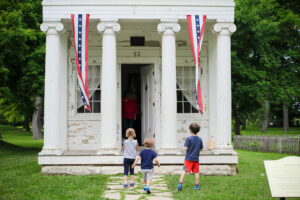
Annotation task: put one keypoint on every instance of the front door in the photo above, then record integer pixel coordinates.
(147, 103)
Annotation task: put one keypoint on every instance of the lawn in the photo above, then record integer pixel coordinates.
(254, 130)
(20, 176)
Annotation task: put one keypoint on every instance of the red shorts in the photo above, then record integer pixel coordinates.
(191, 166)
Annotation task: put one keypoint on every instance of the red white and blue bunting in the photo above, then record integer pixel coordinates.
(80, 24)
(196, 24)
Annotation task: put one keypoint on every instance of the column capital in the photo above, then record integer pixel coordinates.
(224, 28)
(52, 28)
(168, 26)
(105, 25)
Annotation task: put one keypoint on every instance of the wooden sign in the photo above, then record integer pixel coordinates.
(284, 176)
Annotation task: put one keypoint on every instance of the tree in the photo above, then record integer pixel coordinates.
(265, 57)
(22, 58)
(250, 56)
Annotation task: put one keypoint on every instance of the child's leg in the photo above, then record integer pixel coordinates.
(197, 176)
(183, 173)
(126, 169)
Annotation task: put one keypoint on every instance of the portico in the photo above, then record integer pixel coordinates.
(75, 137)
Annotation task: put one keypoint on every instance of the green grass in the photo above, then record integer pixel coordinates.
(21, 178)
(19, 137)
(250, 182)
(254, 130)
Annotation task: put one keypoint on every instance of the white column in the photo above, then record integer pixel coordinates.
(53, 77)
(212, 62)
(63, 91)
(108, 131)
(223, 88)
(168, 93)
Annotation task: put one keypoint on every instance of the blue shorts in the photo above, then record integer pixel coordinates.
(127, 166)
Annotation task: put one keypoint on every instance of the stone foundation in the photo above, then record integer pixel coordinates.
(215, 170)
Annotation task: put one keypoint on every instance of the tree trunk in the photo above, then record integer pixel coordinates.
(244, 124)
(237, 125)
(266, 117)
(37, 119)
(285, 117)
(26, 124)
(237, 120)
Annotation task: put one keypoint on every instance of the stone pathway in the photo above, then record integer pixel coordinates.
(159, 189)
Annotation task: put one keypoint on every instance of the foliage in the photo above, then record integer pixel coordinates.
(21, 57)
(265, 56)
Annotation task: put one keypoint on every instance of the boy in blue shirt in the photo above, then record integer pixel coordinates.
(147, 155)
(193, 146)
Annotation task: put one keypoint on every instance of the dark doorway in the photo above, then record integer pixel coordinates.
(131, 82)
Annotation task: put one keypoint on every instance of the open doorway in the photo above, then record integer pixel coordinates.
(137, 82)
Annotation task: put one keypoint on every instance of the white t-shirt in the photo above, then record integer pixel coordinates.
(130, 148)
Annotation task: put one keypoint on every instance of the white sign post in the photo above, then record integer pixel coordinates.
(284, 177)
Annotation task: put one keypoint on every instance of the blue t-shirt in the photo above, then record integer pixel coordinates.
(194, 145)
(147, 156)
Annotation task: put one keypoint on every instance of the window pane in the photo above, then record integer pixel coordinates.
(97, 95)
(80, 109)
(179, 95)
(187, 107)
(96, 107)
(179, 107)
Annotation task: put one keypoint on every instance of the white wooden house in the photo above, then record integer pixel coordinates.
(143, 45)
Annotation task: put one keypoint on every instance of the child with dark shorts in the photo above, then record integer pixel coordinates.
(130, 147)
(193, 145)
(147, 155)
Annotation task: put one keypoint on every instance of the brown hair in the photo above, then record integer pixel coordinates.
(130, 132)
(194, 128)
(148, 142)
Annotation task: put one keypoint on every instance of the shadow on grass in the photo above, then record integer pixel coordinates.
(7, 148)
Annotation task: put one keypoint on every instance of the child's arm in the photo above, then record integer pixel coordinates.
(186, 148)
(135, 162)
(157, 162)
(123, 146)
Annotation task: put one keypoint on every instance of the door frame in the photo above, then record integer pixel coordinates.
(156, 62)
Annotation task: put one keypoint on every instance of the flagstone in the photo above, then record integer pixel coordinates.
(158, 187)
(163, 194)
(132, 197)
(115, 195)
(115, 186)
(159, 198)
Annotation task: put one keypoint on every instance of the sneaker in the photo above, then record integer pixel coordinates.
(147, 190)
(179, 187)
(125, 186)
(132, 185)
(196, 187)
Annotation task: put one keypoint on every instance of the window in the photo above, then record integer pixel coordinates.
(137, 41)
(185, 87)
(94, 91)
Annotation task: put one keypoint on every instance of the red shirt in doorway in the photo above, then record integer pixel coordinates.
(129, 108)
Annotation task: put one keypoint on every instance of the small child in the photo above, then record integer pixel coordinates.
(130, 147)
(147, 155)
(193, 145)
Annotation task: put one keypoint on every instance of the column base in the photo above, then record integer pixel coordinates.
(165, 151)
(108, 151)
(51, 151)
(224, 149)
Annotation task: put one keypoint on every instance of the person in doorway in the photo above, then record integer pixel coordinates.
(193, 146)
(129, 112)
(130, 146)
(147, 155)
